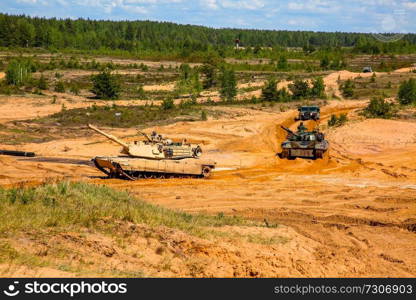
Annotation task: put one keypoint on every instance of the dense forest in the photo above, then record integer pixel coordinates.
(179, 40)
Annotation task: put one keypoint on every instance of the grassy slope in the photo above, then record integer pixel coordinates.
(79, 229)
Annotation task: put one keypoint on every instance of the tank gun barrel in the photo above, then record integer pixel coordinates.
(288, 130)
(109, 136)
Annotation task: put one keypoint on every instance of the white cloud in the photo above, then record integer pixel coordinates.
(27, 1)
(315, 6)
(211, 4)
(243, 4)
(410, 5)
(233, 4)
(108, 6)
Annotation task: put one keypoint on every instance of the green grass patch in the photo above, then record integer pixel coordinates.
(78, 205)
(380, 86)
(122, 116)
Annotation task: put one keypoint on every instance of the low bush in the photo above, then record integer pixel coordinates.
(379, 108)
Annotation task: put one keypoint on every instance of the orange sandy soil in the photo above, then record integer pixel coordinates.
(351, 214)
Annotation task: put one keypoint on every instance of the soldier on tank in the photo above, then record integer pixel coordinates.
(153, 136)
(302, 128)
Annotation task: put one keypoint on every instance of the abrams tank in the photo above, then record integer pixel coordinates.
(304, 144)
(155, 157)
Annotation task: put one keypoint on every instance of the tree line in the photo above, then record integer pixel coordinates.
(180, 40)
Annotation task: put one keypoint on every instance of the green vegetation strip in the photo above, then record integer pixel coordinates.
(122, 116)
(77, 205)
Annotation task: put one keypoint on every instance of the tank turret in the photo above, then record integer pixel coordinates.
(154, 147)
(305, 144)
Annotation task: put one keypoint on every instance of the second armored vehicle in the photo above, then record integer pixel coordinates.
(154, 157)
(304, 144)
(308, 113)
(367, 70)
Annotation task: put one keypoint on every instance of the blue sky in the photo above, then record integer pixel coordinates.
(317, 15)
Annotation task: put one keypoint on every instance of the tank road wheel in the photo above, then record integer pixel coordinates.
(319, 154)
(284, 154)
(149, 175)
(206, 171)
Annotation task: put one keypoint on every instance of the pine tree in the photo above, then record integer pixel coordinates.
(105, 85)
(282, 64)
(60, 87)
(299, 89)
(210, 74)
(407, 92)
(325, 62)
(228, 89)
(269, 91)
(318, 88)
(348, 88)
(42, 83)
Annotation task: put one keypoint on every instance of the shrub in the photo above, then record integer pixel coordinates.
(60, 87)
(348, 88)
(105, 85)
(299, 89)
(318, 88)
(42, 83)
(269, 91)
(144, 67)
(168, 104)
(335, 121)
(210, 75)
(283, 95)
(203, 115)
(189, 81)
(141, 94)
(407, 92)
(379, 108)
(282, 64)
(325, 62)
(74, 89)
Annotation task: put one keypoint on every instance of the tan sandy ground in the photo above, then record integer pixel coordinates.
(350, 214)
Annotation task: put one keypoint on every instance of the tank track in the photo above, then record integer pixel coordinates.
(135, 175)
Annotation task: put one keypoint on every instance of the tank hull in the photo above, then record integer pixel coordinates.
(135, 168)
(293, 150)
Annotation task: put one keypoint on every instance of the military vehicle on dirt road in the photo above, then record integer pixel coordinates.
(303, 144)
(155, 157)
(308, 113)
(367, 70)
